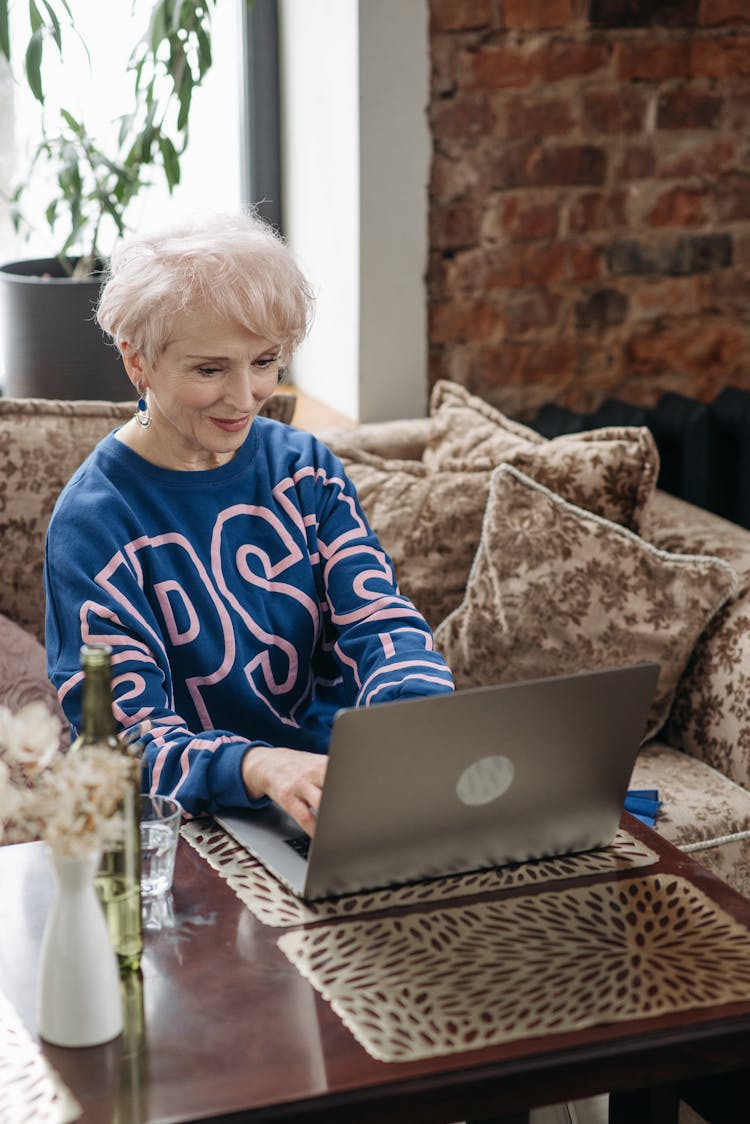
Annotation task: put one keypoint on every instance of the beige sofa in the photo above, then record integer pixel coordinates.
(525, 555)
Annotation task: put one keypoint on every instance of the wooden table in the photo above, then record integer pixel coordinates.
(233, 1032)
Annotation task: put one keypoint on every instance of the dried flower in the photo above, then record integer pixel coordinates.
(70, 800)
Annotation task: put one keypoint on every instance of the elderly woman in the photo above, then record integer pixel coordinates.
(224, 556)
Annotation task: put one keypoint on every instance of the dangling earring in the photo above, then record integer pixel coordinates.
(142, 413)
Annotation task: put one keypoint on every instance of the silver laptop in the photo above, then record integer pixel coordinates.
(426, 787)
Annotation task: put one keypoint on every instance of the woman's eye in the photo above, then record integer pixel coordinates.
(208, 371)
(266, 361)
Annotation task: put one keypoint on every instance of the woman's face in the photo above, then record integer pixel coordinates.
(205, 388)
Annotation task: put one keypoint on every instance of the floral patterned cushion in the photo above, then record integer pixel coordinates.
(710, 718)
(42, 443)
(428, 520)
(702, 811)
(610, 471)
(555, 588)
(23, 672)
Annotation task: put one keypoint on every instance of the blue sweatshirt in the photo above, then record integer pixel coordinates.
(244, 605)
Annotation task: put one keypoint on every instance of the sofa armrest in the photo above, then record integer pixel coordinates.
(710, 717)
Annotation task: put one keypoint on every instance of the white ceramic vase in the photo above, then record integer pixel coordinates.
(78, 996)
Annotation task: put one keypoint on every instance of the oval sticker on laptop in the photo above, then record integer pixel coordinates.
(485, 780)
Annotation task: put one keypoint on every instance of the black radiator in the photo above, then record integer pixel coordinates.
(704, 447)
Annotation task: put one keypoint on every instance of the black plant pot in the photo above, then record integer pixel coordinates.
(52, 346)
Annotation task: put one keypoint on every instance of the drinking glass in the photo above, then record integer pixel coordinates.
(160, 827)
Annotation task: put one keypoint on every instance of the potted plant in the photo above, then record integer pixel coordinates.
(52, 346)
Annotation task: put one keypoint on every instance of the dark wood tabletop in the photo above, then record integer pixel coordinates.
(232, 1031)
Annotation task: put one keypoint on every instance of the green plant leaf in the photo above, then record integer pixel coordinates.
(4, 30)
(205, 59)
(77, 126)
(171, 162)
(35, 16)
(34, 65)
(185, 94)
(158, 27)
(53, 24)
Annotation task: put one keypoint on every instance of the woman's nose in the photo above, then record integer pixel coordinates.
(251, 384)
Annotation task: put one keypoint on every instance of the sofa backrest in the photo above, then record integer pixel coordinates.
(42, 443)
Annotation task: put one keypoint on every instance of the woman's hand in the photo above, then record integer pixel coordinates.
(291, 777)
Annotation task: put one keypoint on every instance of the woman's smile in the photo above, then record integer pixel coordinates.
(231, 425)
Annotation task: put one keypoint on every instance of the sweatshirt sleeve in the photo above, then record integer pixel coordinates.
(200, 770)
(382, 643)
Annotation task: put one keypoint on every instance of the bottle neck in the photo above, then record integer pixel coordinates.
(97, 719)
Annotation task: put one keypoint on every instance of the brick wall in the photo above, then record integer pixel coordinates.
(590, 199)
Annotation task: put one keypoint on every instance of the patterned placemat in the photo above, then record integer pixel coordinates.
(490, 972)
(31, 1092)
(273, 904)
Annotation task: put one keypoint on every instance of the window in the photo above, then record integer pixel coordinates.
(99, 90)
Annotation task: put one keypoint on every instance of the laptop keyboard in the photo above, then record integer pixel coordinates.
(300, 844)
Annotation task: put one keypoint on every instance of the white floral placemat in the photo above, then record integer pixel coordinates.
(273, 904)
(31, 1092)
(490, 972)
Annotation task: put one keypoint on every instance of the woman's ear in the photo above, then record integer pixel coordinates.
(134, 365)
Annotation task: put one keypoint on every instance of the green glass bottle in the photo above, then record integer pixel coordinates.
(118, 880)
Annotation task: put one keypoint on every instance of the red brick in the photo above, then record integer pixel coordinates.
(452, 363)
(459, 320)
(694, 160)
(708, 349)
(571, 59)
(584, 262)
(467, 115)
(716, 349)
(679, 207)
(741, 256)
(548, 264)
(460, 15)
(451, 178)
(538, 15)
(726, 293)
(438, 282)
(737, 106)
(502, 268)
(572, 165)
(525, 220)
(638, 162)
(530, 311)
(620, 110)
(442, 65)
(655, 351)
(675, 297)
(526, 117)
(654, 60)
(498, 364)
(733, 199)
(613, 14)
(605, 308)
(556, 358)
(495, 67)
(456, 224)
(716, 58)
(542, 265)
(468, 270)
(688, 108)
(714, 12)
(530, 164)
(595, 210)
